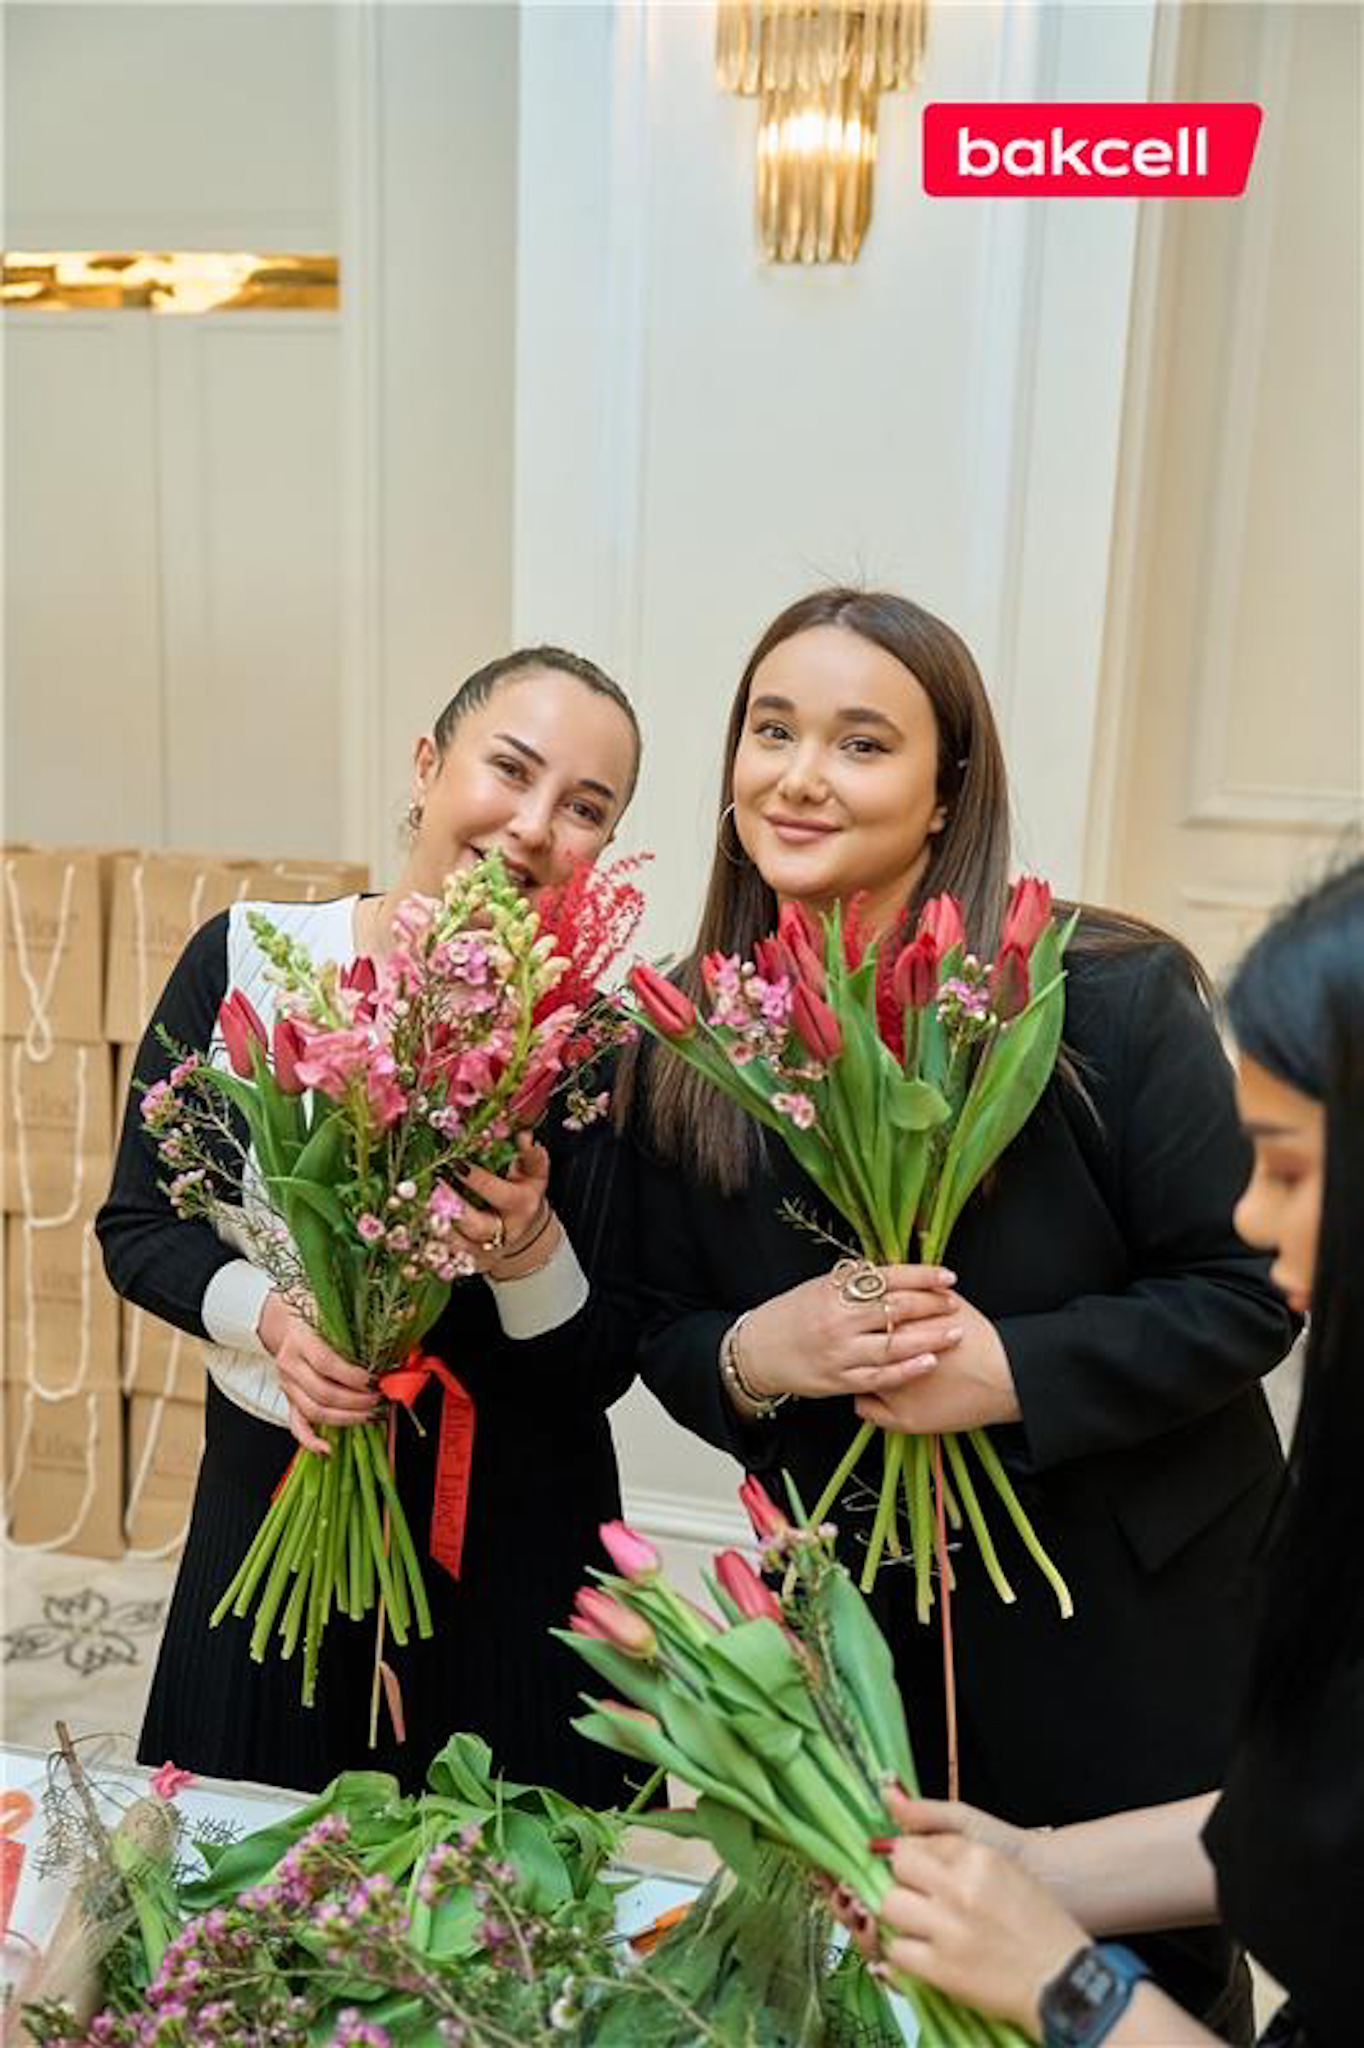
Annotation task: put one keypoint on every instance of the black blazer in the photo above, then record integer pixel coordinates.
(1137, 1326)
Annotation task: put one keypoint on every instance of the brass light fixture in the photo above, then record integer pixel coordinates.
(817, 68)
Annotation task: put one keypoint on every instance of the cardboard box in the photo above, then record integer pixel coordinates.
(159, 1359)
(304, 881)
(56, 1129)
(52, 923)
(64, 1472)
(158, 901)
(165, 1444)
(61, 1313)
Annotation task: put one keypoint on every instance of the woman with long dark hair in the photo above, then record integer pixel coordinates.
(1101, 1317)
(1281, 1852)
(536, 757)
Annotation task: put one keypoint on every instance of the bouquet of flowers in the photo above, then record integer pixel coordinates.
(784, 1717)
(375, 1093)
(896, 1086)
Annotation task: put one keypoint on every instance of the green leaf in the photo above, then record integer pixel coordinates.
(862, 1659)
(914, 1105)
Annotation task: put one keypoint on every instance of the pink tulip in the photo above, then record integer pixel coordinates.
(239, 1024)
(754, 1600)
(941, 920)
(914, 979)
(1009, 981)
(667, 1008)
(804, 940)
(767, 1518)
(611, 1621)
(1027, 916)
(632, 1554)
(289, 1047)
(816, 1026)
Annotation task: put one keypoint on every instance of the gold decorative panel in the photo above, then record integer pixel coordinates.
(180, 281)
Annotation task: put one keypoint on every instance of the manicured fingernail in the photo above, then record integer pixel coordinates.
(954, 1332)
(946, 1277)
(881, 1845)
(926, 1363)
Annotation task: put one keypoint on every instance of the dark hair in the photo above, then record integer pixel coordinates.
(687, 1119)
(1296, 1004)
(474, 692)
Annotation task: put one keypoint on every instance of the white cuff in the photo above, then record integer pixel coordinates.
(232, 1304)
(543, 1300)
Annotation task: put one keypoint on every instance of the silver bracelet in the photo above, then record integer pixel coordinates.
(760, 1406)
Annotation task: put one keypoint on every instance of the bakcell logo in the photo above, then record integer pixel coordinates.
(1089, 149)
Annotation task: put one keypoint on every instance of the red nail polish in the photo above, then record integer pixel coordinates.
(881, 1845)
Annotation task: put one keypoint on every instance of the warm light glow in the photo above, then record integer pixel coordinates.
(182, 281)
(817, 67)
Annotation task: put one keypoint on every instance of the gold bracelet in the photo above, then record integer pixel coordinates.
(761, 1406)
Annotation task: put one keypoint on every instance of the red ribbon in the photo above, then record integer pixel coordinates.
(454, 1450)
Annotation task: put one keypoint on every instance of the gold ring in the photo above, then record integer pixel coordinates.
(859, 1282)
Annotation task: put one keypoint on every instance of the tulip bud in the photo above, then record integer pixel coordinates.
(815, 1024)
(1027, 916)
(754, 1600)
(767, 1518)
(801, 935)
(773, 958)
(529, 1102)
(914, 979)
(1009, 981)
(290, 1046)
(239, 1024)
(611, 1621)
(361, 974)
(941, 920)
(668, 1009)
(632, 1554)
(712, 966)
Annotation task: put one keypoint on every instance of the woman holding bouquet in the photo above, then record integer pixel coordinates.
(535, 757)
(1101, 1318)
(1281, 1851)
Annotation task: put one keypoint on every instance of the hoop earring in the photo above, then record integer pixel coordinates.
(739, 860)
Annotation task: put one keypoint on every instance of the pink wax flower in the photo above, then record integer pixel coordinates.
(799, 1108)
(168, 1779)
(370, 1228)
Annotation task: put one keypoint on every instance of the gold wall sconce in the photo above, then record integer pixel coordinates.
(817, 69)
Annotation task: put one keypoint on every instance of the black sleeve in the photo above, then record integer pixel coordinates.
(161, 1261)
(591, 1357)
(1199, 1321)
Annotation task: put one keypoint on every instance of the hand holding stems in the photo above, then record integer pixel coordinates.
(320, 1385)
(502, 1212)
(810, 1341)
(973, 1387)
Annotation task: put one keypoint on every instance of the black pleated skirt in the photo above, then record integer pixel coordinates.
(542, 1483)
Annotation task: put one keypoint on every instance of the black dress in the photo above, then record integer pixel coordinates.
(1287, 1841)
(1137, 1326)
(544, 1477)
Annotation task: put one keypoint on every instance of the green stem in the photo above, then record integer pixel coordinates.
(893, 1451)
(841, 1473)
(248, 1573)
(293, 1613)
(402, 1536)
(286, 1558)
(355, 1568)
(921, 1521)
(374, 1548)
(975, 1514)
(1017, 1514)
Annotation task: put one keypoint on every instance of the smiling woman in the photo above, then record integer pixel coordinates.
(535, 757)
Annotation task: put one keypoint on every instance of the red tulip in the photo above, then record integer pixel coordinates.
(767, 1518)
(667, 1008)
(1028, 914)
(803, 938)
(361, 974)
(773, 958)
(816, 1026)
(914, 980)
(1009, 983)
(754, 1600)
(529, 1102)
(712, 966)
(290, 1046)
(941, 920)
(239, 1024)
(632, 1554)
(611, 1621)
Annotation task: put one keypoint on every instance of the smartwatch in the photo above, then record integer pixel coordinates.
(1080, 2006)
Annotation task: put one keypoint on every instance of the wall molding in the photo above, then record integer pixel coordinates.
(686, 1518)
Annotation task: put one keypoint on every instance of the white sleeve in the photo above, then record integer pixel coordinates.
(232, 1305)
(543, 1300)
